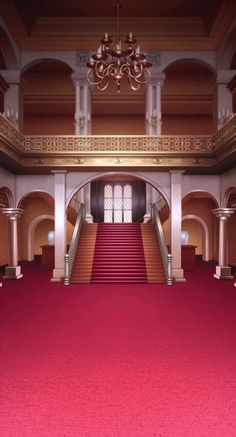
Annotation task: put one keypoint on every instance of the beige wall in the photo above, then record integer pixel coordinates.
(41, 235)
(34, 208)
(202, 208)
(195, 230)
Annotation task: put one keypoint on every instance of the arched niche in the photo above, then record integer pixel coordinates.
(49, 98)
(205, 245)
(6, 198)
(187, 98)
(31, 231)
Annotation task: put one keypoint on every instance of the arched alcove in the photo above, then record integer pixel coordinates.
(205, 233)
(6, 198)
(49, 98)
(187, 98)
(198, 206)
(31, 232)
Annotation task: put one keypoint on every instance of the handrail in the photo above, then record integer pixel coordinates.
(69, 257)
(166, 257)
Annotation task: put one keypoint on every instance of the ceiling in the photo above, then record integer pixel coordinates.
(158, 24)
(106, 8)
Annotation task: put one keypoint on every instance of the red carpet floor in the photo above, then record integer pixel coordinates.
(119, 360)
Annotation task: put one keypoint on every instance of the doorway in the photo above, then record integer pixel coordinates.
(118, 201)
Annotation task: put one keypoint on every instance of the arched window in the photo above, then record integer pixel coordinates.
(117, 203)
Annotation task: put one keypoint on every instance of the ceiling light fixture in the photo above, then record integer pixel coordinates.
(118, 61)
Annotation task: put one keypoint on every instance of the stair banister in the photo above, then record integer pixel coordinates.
(69, 257)
(166, 257)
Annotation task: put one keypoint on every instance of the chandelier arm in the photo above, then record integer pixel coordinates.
(118, 62)
(92, 81)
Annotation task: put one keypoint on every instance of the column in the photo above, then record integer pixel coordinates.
(223, 271)
(175, 224)
(149, 202)
(82, 105)
(153, 105)
(13, 271)
(60, 224)
(13, 98)
(86, 108)
(87, 201)
(149, 108)
(222, 99)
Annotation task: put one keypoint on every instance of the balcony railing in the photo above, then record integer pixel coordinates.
(93, 150)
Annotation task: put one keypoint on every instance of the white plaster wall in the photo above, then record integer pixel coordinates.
(26, 184)
(8, 180)
(76, 180)
(207, 183)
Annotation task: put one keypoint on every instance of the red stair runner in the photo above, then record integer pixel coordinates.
(119, 255)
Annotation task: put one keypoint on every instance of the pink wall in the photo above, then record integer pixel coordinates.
(118, 125)
(187, 124)
(49, 125)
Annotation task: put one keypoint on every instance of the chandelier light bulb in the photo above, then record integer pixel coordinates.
(117, 62)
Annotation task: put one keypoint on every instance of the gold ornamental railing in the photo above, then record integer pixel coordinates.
(167, 151)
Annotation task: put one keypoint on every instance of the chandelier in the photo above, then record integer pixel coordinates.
(118, 61)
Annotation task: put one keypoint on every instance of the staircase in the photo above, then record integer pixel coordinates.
(83, 262)
(119, 255)
(154, 264)
(116, 253)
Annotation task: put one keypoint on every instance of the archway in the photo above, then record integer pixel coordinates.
(205, 255)
(188, 98)
(49, 98)
(141, 184)
(31, 232)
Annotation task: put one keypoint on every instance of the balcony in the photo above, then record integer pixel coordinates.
(194, 154)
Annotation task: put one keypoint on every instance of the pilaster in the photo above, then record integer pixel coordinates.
(153, 104)
(60, 224)
(13, 97)
(175, 223)
(223, 99)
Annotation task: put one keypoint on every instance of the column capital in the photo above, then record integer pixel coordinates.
(224, 76)
(223, 213)
(157, 79)
(12, 76)
(58, 171)
(12, 213)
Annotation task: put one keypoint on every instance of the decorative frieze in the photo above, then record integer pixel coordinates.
(118, 150)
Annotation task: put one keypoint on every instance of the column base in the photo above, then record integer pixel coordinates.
(58, 275)
(89, 218)
(223, 272)
(178, 274)
(13, 272)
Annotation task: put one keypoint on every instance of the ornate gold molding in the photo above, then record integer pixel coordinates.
(173, 151)
(118, 143)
